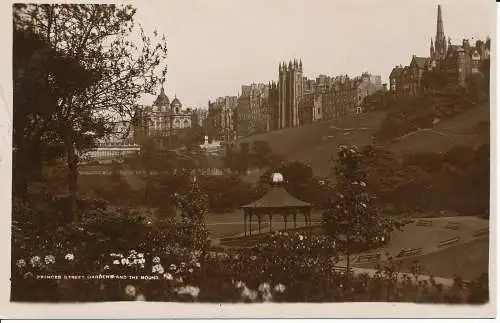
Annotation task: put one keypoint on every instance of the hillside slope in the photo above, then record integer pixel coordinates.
(313, 144)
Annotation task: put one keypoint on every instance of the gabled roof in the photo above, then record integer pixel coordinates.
(396, 71)
(420, 61)
(277, 197)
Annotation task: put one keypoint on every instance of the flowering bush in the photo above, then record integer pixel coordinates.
(92, 261)
(297, 242)
(186, 275)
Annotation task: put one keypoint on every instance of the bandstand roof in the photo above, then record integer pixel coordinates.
(277, 198)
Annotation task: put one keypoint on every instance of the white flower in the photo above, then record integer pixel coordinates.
(133, 252)
(49, 259)
(179, 280)
(301, 237)
(156, 260)
(21, 263)
(190, 270)
(197, 264)
(249, 294)
(264, 287)
(168, 276)
(158, 269)
(363, 204)
(69, 257)
(362, 183)
(140, 255)
(142, 260)
(183, 264)
(130, 290)
(191, 290)
(253, 257)
(106, 267)
(140, 298)
(172, 267)
(338, 206)
(267, 296)
(355, 183)
(239, 284)
(280, 288)
(341, 195)
(35, 261)
(125, 261)
(116, 262)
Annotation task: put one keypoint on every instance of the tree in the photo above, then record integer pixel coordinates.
(261, 153)
(433, 80)
(99, 39)
(485, 70)
(41, 76)
(193, 205)
(239, 160)
(352, 217)
(192, 138)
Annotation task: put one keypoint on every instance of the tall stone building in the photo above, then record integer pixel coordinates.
(289, 94)
(253, 111)
(272, 106)
(221, 118)
(161, 119)
(455, 62)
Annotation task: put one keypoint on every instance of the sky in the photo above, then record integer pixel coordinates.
(215, 46)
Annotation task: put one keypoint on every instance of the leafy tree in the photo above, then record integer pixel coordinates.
(243, 158)
(193, 206)
(485, 70)
(192, 138)
(433, 80)
(352, 216)
(474, 83)
(97, 38)
(261, 153)
(41, 76)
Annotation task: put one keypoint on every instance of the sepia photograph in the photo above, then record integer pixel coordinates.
(243, 152)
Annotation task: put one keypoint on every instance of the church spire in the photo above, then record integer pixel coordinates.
(440, 37)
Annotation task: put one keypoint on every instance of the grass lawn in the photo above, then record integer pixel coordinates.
(313, 144)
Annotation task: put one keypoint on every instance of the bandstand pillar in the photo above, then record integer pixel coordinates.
(250, 224)
(245, 221)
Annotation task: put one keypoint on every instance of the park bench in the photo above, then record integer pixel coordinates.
(409, 252)
(424, 223)
(369, 258)
(452, 225)
(481, 232)
(448, 242)
(341, 269)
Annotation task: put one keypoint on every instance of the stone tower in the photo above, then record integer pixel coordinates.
(289, 94)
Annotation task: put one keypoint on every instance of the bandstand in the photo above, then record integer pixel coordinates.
(277, 203)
